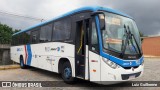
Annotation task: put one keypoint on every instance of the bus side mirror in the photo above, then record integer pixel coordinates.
(101, 16)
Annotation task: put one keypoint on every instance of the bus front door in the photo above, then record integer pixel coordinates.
(81, 47)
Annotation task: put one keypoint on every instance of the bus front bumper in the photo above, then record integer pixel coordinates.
(113, 76)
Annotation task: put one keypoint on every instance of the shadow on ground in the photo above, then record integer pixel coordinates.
(78, 82)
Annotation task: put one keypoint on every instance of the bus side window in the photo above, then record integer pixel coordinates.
(45, 33)
(94, 37)
(16, 40)
(35, 36)
(21, 37)
(62, 29)
(27, 37)
(13, 41)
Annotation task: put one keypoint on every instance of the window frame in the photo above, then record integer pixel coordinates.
(70, 35)
(51, 32)
(93, 19)
(33, 30)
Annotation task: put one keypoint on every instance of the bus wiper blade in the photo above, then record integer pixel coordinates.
(123, 47)
(132, 35)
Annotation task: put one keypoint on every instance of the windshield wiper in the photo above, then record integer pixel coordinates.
(132, 35)
(123, 47)
(128, 38)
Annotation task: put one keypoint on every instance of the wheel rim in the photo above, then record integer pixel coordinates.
(67, 72)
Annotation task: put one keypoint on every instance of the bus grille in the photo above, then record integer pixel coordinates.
(130, 67)
(126, 76)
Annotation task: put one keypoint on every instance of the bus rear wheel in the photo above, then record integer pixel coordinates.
(67, 73)
(22, 65)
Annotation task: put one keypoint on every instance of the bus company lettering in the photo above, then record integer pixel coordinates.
(19, 49)
(47, 49)
(62, 48)
(58, 49)
(127, 63)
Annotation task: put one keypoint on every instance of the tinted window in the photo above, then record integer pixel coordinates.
(35, 37)
(45, 33)
(21, 39)
(13, 40)
(94, 38)
(16, 40)
(26, 36)
(62, 29)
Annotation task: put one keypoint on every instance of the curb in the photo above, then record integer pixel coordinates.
(6, 67)
(147, 56)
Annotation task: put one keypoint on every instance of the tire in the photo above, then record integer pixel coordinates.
(67, 73)
(22, 65)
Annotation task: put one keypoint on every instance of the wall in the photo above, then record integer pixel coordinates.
(1, 53)
(5, 54)
(151, 46)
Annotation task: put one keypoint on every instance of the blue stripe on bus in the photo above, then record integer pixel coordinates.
(123, 63)
(29, 54)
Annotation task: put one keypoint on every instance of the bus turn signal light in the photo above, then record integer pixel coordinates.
(94, 70)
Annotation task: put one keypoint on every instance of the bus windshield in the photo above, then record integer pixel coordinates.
(121, 35)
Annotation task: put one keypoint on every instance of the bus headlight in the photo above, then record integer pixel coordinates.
(110, 63)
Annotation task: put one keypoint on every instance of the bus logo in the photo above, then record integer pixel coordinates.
(58, 49)
(130, 63)
(132, 69)
(19, 49)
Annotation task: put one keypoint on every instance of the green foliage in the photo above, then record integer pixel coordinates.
(6, 34)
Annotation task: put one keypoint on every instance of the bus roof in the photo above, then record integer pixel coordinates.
(93, 8)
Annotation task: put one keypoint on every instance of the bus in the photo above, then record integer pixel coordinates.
(97, 44)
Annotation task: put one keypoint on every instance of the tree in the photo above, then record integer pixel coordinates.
(6, 34)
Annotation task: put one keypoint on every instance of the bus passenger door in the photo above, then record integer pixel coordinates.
(94, 58)
(81, 45)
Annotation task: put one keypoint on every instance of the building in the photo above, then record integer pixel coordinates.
(151, 46)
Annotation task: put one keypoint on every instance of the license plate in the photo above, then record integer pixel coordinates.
(132, 77)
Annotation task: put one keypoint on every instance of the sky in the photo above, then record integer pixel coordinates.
(144, 12)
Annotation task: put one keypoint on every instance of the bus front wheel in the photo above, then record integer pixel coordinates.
(67, 73)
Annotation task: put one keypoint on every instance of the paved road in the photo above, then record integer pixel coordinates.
(152, 73)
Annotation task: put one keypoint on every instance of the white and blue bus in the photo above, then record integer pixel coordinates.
(91, 43)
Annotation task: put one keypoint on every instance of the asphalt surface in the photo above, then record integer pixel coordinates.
(151, 73)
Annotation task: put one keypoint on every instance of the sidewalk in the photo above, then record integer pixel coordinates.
(147, 57)
(5, 67)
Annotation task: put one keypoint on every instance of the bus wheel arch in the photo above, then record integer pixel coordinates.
(64, 67)
(60, 64)
(21, 60)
